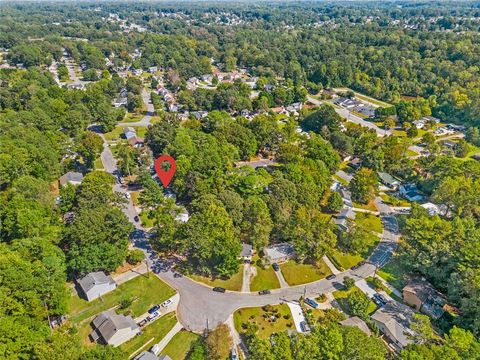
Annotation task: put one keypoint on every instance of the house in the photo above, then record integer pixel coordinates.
(420, 294)
(113, 329)
(355, 321)
(71, 177)
(137, 72)
(96, 284)
(419, 124)
(410, 192)
(173, 107)
(389, 181)
(346, 196)
(279, 252)
(431, 208)
(247, 252)
(393, 320)
(431, 118)
(355, 163)
(152, 69)
(343, 218)
(183, 216)
(129, 132)
(199, 114)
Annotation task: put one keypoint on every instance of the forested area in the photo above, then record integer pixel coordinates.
(421, 58)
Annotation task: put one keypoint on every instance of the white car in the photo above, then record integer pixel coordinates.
(155, 349)
(152, 317)
(127, 195)
(167, 303)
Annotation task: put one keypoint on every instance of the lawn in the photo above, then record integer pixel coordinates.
(341, 296)
(371, 222)
(234, 283)
(116, 134)
(265, 279)
(394, 201)
(147, 220)
(132, 118)
(145, 292)
(340, 180)
(394, 273)
(98, 164)
(180, 345)
(276, 319)
(296, 273)
(343, 260)
(135, 195)
(370, 206)
(156, 331)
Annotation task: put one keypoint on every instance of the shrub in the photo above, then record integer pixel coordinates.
(135, 256)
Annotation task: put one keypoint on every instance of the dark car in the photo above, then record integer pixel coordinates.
(275, 267)
(332, 276)
(177, 275)
(304, 326)
(136, 218)
(264, 292)
(219, 289)
(380, 298)
(154, 309)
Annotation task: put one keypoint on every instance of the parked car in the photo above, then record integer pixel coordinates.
(154, 309)
(136, 218)
(167, 303)
(331, 276)
(380, 298)
(304, 326)
(275, 267)
(233, 354)
(219, 289)
(264, 292)
(127, 195)
(311, 302)
(155, 315)
(177, 275)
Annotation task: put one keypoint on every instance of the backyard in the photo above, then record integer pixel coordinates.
(296, 273)
(269, 319)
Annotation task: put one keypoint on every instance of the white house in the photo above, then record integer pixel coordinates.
(96, 284)
(279, 252)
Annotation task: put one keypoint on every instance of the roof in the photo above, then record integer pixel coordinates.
(93, 279)
(71, 177)
(388, 179)
(146, 355)
(109, 322)
(423, 290)
(357, 322)
(164, 357)
(247, 250)
(279, 251)
(396, 318)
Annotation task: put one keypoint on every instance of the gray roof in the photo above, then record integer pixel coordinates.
(388, 179)
(71, 176)
(396, 318)
(109, 322)
(247, 250)
(279, 251)
(146, 355)
(93, 279)
(357, 322)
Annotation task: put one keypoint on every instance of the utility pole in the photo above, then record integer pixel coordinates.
(305, 292)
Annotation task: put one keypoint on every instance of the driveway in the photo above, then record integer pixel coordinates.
(297, 314)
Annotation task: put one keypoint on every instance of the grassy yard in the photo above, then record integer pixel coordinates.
(180, 345)
(296, 274)
(145, 292)
(371, 222)
(98, 164)
(394, 273)
(132, 117)
(276, 319)
(116, 134)
(135, 195)
(344, 260)
(156, 331)
(370, 206)
(265, 279)
(233, 283)
(340, 180)
(394, 201)
(341, 296)
(146, 219)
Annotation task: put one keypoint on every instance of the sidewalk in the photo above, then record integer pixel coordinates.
(130, 274)
(281, 279)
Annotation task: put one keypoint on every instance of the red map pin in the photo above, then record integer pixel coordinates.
(165, 175)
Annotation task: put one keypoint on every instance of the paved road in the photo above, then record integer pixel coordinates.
(146, 97)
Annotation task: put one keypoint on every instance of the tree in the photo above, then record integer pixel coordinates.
(135, 256)
(324, 116)
(335, 202)
(219, 343)
(358, 304)
(89, 146)
(462, 148)
(363, 185)
(356, 238)
(90, 75)
(161, 134)
(348, 282)
(257, 223)
(210, 240)
(134, 102)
